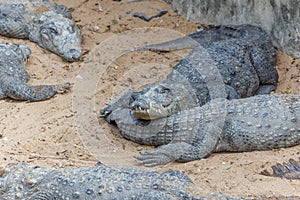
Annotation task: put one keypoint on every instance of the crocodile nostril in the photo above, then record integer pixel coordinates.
(75, 53)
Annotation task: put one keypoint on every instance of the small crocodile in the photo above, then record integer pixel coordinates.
(13, 76)
(27, 181)
(227, 61)
(49, 25)
(260, 122)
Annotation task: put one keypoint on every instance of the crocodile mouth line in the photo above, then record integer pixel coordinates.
(140, 110)
(146, 113)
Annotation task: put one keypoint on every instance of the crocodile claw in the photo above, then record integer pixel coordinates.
(62, 88)
(154, 157)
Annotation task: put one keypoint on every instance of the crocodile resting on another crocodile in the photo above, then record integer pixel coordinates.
(13, 76)
(260, 122)
(49, 25)
(226, 62)
(27, 181)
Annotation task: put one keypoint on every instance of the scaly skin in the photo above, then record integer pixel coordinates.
(40, 21)
(13, 76)
(26, 181)
(289, 170)
(261, 122)
(226, 62)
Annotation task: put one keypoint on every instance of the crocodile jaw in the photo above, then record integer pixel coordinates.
(151, 112)
(58, 34)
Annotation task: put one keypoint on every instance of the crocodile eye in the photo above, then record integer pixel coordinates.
(45, 34)
(163, 89)
(53, 31)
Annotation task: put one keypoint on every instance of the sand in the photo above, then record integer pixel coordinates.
(65, 130)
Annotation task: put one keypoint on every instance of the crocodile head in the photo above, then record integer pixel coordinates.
(155, 101)
(58, 34)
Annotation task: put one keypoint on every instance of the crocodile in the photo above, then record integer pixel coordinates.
(28, 181)
(260, 122)
(14, 78)
(49, 25)
(226, 61)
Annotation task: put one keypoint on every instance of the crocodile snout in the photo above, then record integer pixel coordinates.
(75, 54)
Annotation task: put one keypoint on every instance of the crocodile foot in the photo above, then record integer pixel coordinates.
(62, 88)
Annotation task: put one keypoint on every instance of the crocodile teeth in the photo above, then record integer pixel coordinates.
(139, 108)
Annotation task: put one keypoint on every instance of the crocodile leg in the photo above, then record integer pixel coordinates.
(265, 89)
(202, 146)
(20, 90)
(266, 71)
(231, 92)
(163, 154)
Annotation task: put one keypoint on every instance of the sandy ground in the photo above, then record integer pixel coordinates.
(65, 131)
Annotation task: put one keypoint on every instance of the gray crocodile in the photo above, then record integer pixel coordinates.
(14, 78)
(226, 61)
(49, 25)
(27, 181)
(260, 122)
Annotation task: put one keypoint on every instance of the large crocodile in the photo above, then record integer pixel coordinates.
(47, 24)
(260, 122)
(27, 181)
(13, 76)
(227, 61)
